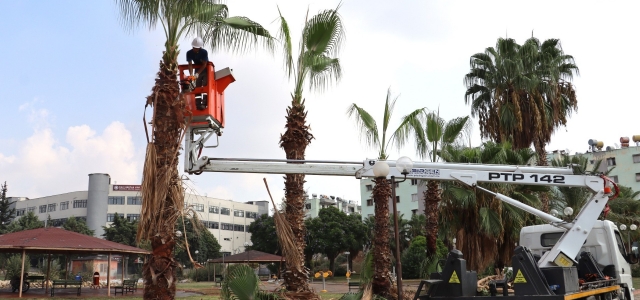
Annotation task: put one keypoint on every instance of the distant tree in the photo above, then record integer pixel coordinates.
(263, 235)
(26, 222)
(328, 234)
(6, 212)
(199, 238)
(356, 237)
(121, 231)
(78, 225)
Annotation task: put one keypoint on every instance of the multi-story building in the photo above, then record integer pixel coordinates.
(227, 220)
(316, 202)
(624, 161)
(407, 198)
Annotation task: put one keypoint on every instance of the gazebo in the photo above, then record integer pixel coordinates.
(251, 256)
(53, 240)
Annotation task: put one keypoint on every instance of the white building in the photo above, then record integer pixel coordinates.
(316, 202)
(227, 220)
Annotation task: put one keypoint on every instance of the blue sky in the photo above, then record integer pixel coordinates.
(75, 82)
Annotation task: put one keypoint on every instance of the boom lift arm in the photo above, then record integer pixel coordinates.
(562, 253)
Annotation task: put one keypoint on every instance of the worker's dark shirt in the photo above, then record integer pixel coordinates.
(197, 58)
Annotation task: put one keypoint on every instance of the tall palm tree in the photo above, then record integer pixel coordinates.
(522, 93)
(161, 186)
(378, 139)
(486, 229)
(316, 66)
(433, 136)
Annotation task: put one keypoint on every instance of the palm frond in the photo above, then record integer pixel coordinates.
(453, 129)
(133, 13)
(238, 34)
(322, 70)
(324, 33)
(284, 35)
(412, 123)
(366, 125)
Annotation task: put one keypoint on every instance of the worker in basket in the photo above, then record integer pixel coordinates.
(198, 56)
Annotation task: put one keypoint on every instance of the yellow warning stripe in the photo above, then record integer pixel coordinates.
(591, 292)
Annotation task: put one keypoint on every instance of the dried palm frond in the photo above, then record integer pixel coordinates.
(285, 235)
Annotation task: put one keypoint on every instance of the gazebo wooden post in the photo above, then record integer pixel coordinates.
(46, 283)
(109, 275)
(66, 267)
(122, 257)
(21, 274)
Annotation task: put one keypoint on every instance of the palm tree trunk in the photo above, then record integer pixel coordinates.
(542, 161)
(381, 284)
(294, 142)
(162, 182)
(431, 200)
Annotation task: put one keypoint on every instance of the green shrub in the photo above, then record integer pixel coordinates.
(340, 271)
(14, 265)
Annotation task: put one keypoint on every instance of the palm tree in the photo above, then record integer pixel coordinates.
(370, 134)
(161, 185)
(316, 66)
(574, 197)
(486, 229)
(433, 136)
(522, 94)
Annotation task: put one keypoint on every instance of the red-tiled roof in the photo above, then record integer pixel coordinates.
(251, 256)
(56, 240)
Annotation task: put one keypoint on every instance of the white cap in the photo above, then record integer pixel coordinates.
(197, 43)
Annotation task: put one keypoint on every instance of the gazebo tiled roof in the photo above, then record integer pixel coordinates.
(55, 240)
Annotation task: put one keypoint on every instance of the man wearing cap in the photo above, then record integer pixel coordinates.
(198, 56)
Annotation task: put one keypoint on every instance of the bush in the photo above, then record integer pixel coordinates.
(14, 265)
(201, 274)
(340, 271)
(635, 271)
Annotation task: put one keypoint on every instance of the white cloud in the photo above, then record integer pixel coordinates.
(45, 166)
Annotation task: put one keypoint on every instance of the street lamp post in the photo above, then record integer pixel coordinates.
(381, 169)
(197, 260)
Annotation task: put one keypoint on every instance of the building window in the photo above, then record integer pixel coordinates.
(110, 217)
(79, 203)
(414, 197)
(64, 205)
(225, 211)
(614, 178)
(636, 158)
(20, 212)
(369, 187)
(43, 209)
(31, 209)
(414, 212)
(103, 268)
(307, 206)
(199, 207)
(251, 215)
(226, 226)
(414, 181)
(637, 176)
(116, 200)
(134, 200)
(397, 184)
(370, 215)
(397, 199)
(214, 225)
(52, 207)
(592, 161)
(369, 202)
(214, 210)
(238, 213)
(237, 227)
(133, 217)
(611, 161)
